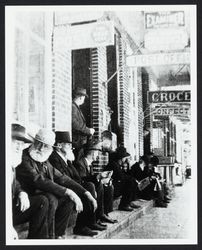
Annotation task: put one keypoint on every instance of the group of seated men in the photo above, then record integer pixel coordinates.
(140, 180)
(48, 184)
(47, 187)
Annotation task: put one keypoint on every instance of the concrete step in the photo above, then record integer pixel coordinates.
(125, 219)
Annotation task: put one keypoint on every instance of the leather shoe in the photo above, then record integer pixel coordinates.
(95, 226)
(85, 231)
(101, 224)
(127, 208)
(105, 218)
(133, 205)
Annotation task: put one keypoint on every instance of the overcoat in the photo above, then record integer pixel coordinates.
(80, 131)
(36, 177)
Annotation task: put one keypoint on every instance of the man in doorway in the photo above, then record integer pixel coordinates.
(80, 132)
(37, 176)
(32, 209)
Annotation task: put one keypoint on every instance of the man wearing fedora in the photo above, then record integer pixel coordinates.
(32, 209)
(124, 184)
(80, 132)
(37, 176)
(85, 170)
(62, 158)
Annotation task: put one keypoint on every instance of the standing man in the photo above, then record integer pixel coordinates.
(37, 176)
(80, 132)
(61, 159)
(32, 209)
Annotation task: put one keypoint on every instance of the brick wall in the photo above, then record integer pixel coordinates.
(140, 114)
(123, 95)
(98, 97)
(61, 82)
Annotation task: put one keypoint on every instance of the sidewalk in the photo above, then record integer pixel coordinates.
(164, 223)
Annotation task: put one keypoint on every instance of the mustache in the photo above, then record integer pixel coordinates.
(40, 156)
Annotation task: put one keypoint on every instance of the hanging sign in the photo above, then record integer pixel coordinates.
(158, 59)
(169, 96)
(164, 19)
(168, 111)
(82, 36)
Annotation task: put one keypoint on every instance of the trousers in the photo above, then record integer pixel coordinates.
(36, 215)
(127, 189)
(59, 212)
(87, 216)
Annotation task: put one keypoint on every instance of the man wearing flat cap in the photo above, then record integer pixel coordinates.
(85, 170)
(124, 184)
(62, 158)
(37, 176)
(80, 132)
(32, 209)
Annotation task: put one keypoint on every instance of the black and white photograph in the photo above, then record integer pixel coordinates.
(101, 124)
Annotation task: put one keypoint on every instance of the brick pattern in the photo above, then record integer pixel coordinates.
(61, 84)
(140, 114)
(124, 97)
(98, 97)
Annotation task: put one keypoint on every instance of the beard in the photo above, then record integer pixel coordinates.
(39, 156)
(70, 156)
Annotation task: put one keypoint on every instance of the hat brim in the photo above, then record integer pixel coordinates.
(80, 94)
(24, 138)
(36, 139)
(120, 156)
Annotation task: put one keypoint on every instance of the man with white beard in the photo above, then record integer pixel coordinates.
(37, 175)
(61, 159)
(32, 209)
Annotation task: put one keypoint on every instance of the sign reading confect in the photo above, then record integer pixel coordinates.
(168, 111)
(169, 96)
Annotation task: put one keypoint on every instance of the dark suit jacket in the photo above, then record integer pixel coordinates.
(35, 180)
(65, 168)
(16, 187)
(137, 172)
(79, 129)
(118, 173)
(85, 172)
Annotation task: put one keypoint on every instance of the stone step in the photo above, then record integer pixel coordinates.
(125, 219)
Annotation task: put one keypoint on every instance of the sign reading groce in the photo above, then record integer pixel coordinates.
(169, 96)
(158, 59)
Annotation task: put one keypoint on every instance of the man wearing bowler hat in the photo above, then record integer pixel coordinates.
(32, 209)
(37, 176)
(124, 184)
(80, 132)
(62, 158)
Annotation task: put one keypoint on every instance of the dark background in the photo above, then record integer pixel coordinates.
(3, 124)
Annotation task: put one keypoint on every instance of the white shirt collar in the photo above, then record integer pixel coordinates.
(88, 162)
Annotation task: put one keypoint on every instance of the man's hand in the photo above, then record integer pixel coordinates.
(23, 201)
(92, 131)
(75, 198)
(92, 200)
